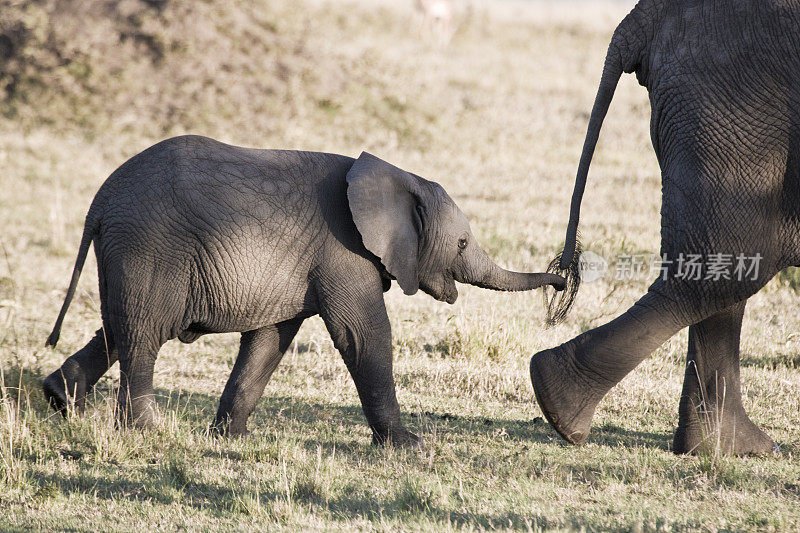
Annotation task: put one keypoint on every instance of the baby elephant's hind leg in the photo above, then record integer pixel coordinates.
(79, 373)
(260, 352)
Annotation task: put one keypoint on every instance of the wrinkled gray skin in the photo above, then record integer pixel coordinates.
(193, 236)
(724, 84)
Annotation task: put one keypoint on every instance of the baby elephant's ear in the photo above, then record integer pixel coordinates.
(384, 202)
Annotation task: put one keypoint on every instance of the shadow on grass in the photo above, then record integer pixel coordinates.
(24, 385)
(301, 413)
(199, 410)
(174, 480)
(223, 501)
(409, 503)
(198, 495)
(295, 411)
(616, 436)
(772, 362)
(281, 412)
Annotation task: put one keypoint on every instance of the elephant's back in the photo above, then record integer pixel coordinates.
(200, 185)
(237, 226)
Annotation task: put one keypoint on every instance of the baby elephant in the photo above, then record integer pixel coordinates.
(193, 236)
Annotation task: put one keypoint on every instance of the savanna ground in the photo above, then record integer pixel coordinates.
(498, 118)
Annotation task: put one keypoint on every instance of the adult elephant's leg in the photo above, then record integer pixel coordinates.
(711, 414)
(72, 382)
(260, 351)
(353, 310)
(571, 379)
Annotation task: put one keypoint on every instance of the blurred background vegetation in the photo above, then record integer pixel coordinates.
(242, 70)
(155, 68)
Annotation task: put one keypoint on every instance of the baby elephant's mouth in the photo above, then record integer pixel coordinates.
(451, 297)
(449, 291)
(445, 291)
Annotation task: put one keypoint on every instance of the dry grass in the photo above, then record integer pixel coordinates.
(498, 119)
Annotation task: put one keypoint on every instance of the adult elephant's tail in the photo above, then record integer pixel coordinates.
(90, 229)
(605, 93)
(624, 55)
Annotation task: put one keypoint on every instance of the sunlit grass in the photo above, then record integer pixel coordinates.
(498, 119)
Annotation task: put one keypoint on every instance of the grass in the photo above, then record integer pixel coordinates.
(498, 118)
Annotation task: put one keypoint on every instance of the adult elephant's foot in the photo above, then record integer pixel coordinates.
(66, 387)
(566, 394)
(708, 431)
(711, 416)
(398, 437)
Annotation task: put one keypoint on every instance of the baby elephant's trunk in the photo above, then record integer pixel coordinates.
(490, 276)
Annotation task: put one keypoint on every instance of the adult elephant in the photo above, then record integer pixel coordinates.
(724, 83)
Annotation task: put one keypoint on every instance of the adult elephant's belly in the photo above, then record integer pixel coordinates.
(246, 283)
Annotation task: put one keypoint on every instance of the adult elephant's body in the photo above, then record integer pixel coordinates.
(724, 85)
(194, 236)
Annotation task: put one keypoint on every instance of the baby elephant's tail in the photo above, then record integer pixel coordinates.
(90, 229)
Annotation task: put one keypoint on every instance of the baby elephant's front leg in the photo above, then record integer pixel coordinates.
(361, 332)
(260, 351)
(371, 369)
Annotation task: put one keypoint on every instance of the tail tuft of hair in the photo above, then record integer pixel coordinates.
(558, 303)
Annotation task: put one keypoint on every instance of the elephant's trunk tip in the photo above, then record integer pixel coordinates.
(558, 303)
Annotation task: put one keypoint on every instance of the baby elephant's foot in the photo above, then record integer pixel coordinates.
(141, 413)
(229, 429)
(63, 388)
(398, 438)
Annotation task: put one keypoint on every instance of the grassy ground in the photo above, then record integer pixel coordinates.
(498, 118)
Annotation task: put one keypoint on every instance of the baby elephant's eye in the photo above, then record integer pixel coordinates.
(462, 243)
